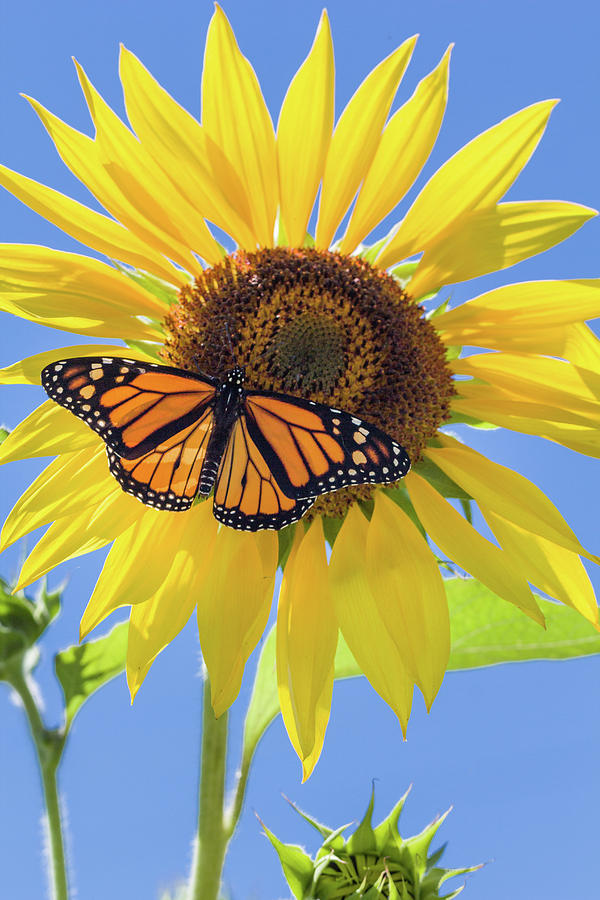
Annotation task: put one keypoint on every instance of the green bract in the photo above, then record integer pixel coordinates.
(373, 863)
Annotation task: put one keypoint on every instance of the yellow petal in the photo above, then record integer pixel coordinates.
(554, 570)
(492, 400)
(86, 160)
(369, 632)
(476, 176)
(487, 240)
(531, 305)
(234, 595)
(49, 430)
(404, 577)
(74, 535)
(403, 150)
(88, 226)
(505, 492)
(154, 622)
(306, 643)
(75, 293)
(461, 543)
(235, 116)
(491, 404)
(68, 486)
(154, 194)
(356, 139)
(304, 133)
(140, 561)
(177, 142)
(28, 371)
(538, 379)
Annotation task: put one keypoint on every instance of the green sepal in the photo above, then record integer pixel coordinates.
(438, 310)
(297, 865)
(279, 232)
(453, 351)
(331, 528)
(467, 508)
(387, 831)
(285, 538)
(417, 847)
(150, 348)
(435, 878)
(84, 668)
(438, 479)
(400, 497)
(163, 290)
(4, 432)
(309, 240)
(363, 840)
(370, 252)
(23, 620)
(457, 418)
(323, 830)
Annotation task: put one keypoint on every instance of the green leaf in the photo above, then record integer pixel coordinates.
(23, 620)
(264, 702)
(84, 668)
(487, 630)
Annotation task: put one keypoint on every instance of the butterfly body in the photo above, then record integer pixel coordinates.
(226, 412)
(172, 435)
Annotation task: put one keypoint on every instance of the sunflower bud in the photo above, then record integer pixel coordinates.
(372, 863)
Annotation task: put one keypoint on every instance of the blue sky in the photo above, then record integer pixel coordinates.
(513, 748)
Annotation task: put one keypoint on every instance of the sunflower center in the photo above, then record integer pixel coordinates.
(308, 350)
(322, 326)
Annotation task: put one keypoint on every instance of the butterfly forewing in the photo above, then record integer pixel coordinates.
(247, 493)
(133, 406)
(312, 449)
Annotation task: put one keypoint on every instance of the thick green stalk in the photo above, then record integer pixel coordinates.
(213, 837)
(49, 746)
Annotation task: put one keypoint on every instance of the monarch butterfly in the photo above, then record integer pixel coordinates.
(172, 435)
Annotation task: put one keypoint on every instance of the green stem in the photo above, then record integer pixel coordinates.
(213, 836)
(49, 745)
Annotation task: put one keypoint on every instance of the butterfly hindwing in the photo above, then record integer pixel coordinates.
(312, 449)
(247, 493)
(134, 406)
(168, 476)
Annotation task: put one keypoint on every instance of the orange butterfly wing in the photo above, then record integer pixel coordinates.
(312, 449)
(247, 493)
(156, 422)
(133, 406)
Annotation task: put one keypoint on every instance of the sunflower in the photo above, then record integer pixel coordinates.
(324, 316)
